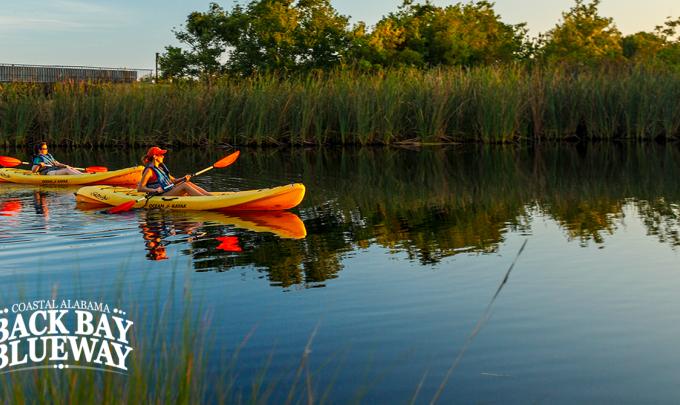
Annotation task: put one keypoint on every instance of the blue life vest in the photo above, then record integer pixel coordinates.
(48, 160)
(162, 178)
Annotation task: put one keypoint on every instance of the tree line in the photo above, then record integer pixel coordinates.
(287, 37)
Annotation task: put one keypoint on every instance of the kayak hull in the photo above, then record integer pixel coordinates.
(122, 177)
(267, 199)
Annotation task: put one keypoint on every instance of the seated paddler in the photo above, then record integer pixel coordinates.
(45, 163)
(156, 177)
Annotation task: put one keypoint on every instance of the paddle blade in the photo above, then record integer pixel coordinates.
(96, 169)
(7, 161)
(229, 244)
(226, 161)
(124, 207)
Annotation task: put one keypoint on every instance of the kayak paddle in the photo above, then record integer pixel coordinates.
(224, 162)
(7, 161)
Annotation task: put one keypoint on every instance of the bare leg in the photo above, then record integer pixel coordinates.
(66, 170)
(181, 190)
(197, 188)
(74, 171)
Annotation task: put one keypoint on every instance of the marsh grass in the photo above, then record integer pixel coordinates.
(171, 342)
(166, 365)
(498, 104)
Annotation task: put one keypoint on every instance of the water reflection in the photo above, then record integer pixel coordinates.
(427, 204)
(228, 244)
(567, 317)
(204, 231)
(10, 207)
(438, 203)
(40, 203)
(155, 230)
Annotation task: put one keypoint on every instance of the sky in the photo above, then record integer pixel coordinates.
(127, 33)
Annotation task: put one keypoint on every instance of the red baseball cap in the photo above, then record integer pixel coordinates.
(155, 150)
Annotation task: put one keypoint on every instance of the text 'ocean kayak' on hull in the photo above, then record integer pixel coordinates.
(266, 199)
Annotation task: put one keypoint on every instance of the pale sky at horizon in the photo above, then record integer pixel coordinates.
(127, 33)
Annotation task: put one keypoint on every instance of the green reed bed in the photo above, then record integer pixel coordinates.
(488, 105)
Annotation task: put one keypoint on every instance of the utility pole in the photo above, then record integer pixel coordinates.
(157, 56)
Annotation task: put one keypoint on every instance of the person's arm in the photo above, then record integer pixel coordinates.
(181, 179)
(146, 175)
(172, 178)
(37, 165)
(176, 180)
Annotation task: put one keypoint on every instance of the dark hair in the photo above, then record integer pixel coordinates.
(37, 147)
(146, 160)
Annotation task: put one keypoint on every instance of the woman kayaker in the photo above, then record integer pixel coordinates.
(45, 163)
(156, 177)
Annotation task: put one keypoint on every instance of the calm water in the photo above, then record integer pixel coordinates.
(404, 251)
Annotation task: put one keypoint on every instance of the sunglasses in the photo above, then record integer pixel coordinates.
(45, 148)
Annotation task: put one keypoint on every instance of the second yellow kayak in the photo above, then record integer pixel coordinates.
(266, 199)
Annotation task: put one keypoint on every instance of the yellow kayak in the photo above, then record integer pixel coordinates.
(128, 176)
(266, 199)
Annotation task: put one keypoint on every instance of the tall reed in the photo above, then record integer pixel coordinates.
(488, 105)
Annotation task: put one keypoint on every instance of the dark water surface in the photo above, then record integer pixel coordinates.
(404, 251)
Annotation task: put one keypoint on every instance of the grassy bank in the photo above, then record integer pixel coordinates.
(488, 105)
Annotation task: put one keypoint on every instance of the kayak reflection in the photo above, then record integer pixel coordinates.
(15, 197)
(160, 228)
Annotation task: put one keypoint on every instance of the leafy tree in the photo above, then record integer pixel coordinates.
(661, 46)
(202, 35)
(473, 34)
(670, 34)
(287, 36)
(322, 36)
(462, 34)
(175, 63)
(265, 35)
(641, 46)
(583, 37)
(386, 44)
(282, 35)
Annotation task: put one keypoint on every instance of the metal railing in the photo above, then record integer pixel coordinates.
(58, 73)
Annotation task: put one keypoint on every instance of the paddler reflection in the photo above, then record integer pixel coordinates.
(158, 227)
(153, 242)
(40, 203)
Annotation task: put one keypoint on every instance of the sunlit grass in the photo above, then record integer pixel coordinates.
(489, 105)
